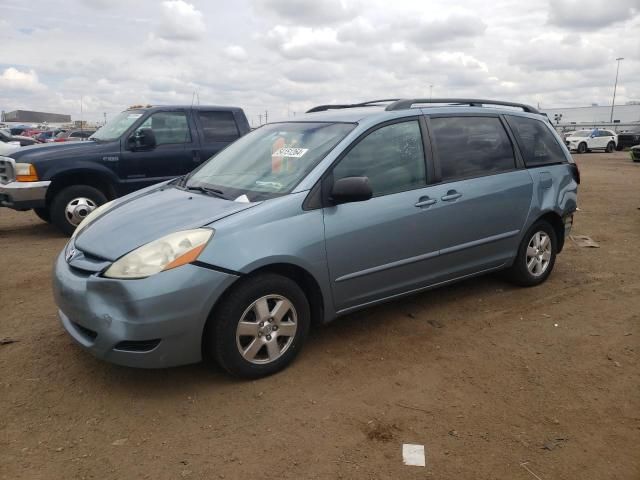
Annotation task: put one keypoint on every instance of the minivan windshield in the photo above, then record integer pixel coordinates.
(117, 125)
(269, 161)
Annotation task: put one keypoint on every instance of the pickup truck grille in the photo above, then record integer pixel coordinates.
(6, 171)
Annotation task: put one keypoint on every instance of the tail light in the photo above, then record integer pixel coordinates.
(60, 140)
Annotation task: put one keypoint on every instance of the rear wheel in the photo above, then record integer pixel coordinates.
(536, 255)
(582, 147)
(72, 204)
(610, 147)
(43, 214)
(259, 326)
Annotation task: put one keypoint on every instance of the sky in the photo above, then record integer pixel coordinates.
(285, 56)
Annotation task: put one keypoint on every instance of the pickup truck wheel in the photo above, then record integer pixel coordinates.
(43, 214)
(610, 147)
(72, 204)
(582, 147)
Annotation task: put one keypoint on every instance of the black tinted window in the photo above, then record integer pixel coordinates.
(392, 157)
(537, 144)
(218, 126)
(168, 127)
(471, 146)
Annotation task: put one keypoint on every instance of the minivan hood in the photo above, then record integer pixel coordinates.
(150, 214)
(54, 151)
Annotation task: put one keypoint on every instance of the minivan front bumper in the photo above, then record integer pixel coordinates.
(153, 322)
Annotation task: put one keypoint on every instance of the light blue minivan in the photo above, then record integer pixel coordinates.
(300, 222)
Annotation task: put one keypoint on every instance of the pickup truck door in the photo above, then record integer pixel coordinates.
(172, 156)
(217, 129)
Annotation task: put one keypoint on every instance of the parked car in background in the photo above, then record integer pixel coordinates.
(73, 135)
(628, 139)
(635, 153)
(49, 135)
(32, 132)
(7, 137)
(583, 141)
(303, 221)
(18, 130)
(63, 183)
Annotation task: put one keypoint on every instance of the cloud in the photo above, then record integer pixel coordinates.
(307, 13)
(180, 21)
(16, 80)
(554, 53)
(591, 14)
(235, 52)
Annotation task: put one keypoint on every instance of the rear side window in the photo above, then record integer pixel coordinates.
(218, 126)
(391, 157)
(537, 144)
(168, 127)
(471, 147)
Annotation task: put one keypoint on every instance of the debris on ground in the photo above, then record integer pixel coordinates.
(435, 323)
(553, 443)
(584, 241)
(7, 341)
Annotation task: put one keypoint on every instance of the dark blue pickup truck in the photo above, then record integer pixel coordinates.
(64, 182)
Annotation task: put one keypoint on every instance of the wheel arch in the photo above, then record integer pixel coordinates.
(555, 220)
(86, 176)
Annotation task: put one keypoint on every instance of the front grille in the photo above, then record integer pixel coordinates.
(6, 171)
(90, 334)
(137, 345)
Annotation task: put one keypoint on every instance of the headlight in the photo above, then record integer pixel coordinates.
(168, 252)
(91, 217)
(25, 172)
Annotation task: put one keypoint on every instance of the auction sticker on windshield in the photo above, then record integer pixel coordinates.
(290, 152)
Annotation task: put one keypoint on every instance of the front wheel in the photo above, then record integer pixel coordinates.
(259, 326)
(72, 204)
(582, 147)
(43, 214)
(536, 255)
(610, 147)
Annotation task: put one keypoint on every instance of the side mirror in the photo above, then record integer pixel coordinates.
(351, 189)
(143, 138)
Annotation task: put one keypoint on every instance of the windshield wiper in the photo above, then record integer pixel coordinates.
(209, 191)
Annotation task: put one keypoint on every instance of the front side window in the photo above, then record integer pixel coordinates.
(218, 126)
(168, 127)
(471, 147)
(391, 157)
(537, 144)
(270, 161)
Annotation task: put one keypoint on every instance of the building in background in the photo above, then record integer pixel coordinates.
(28, 116)
(594, 115)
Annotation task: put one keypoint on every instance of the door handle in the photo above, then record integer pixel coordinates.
(451, 195)
(426, 202)
(196, 156)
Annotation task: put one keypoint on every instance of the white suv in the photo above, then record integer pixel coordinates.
(596, 139)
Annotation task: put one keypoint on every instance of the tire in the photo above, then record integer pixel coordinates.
(65, 214)
(224, 341)
(43, 214)
(520, 273)
(582, 147)
(611, 146)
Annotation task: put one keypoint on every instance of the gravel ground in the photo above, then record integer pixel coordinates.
(485, 375)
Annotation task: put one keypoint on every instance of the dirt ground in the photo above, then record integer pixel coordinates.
(485, 375)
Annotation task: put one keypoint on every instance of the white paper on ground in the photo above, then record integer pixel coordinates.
(413, 454)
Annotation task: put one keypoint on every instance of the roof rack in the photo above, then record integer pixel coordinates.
(472, 102)
(370, 103)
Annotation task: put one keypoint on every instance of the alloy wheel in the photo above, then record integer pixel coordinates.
(538, 253)
(266, 329)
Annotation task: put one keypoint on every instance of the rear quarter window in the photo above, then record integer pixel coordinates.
(538, 145)
(218, 126)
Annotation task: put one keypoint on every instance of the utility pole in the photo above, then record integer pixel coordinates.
(615, 86)
(266, 116)
(105, 117)
(430, 92)
(81, 113)
(259, 119)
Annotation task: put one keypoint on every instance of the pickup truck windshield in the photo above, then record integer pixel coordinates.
(269, 161)
(118, 125)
